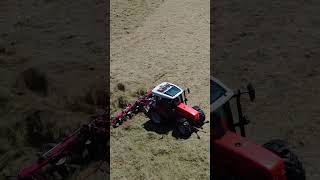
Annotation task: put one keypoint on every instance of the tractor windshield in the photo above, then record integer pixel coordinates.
(216, 91)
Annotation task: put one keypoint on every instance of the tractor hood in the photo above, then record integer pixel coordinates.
(246, 159)
(188, 112)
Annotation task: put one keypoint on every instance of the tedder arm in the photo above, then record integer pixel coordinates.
(90, 139)
(139, 106)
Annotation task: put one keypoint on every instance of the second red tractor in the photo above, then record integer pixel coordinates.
(235, 157)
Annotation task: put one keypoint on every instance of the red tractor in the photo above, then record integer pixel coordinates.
(236, 157)
(165, 103)
(169, 102)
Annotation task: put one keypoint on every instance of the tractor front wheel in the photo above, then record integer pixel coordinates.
(202, 116)
(184, 128)
(294, 168)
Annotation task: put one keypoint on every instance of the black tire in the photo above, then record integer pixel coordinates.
(154, 116)
(184, 128)
(294, 168)
(202, 115)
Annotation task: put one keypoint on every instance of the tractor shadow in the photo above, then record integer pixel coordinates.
(163, 128)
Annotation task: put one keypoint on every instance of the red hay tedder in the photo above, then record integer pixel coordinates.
(84, 145)
(234, 156)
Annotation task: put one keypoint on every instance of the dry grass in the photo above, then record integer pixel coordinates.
(140, 154)
(51, 82)
(127, 15)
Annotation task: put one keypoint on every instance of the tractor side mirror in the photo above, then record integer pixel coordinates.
(251, 91)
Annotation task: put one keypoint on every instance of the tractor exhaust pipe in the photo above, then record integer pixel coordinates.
(241, 122)
(185, 96)
(242, 119)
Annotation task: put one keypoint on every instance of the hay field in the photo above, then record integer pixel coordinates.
(163, 42)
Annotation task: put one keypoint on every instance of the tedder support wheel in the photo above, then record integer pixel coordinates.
(184, 128)
(294, 168)
(201, 113)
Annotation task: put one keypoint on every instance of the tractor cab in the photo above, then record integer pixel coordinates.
(169, 95)
(225, 104)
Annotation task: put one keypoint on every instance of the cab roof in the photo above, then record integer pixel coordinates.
(219, 94)
(167, 90)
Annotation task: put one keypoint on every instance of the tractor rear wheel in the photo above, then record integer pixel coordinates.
(294, 168)
(184, 128)
(154, 116)
(201, 115)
